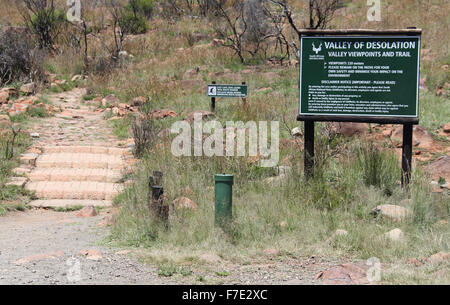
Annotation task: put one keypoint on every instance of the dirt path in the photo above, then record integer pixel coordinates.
(47, 247)
(76, 160)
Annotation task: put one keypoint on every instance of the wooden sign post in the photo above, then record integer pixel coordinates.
(364, 76)
(226, 91)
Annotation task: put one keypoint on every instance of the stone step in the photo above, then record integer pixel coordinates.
(86, 149)
(80, 160)
(74, 190)
(75, 174)
(65, 203)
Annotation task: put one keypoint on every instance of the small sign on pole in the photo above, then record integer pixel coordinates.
(360, 76)
(226, 91)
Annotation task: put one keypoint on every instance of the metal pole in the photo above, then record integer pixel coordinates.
(223, 199)
(407, 153)
(244, 99)
(213, 102)
(309, 149)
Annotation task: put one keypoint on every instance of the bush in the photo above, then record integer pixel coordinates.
(141, 7)
(133, 24)
(44, 21)
(18, 60)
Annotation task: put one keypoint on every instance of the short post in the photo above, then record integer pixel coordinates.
(407, 153)
(309, 149)
(223, 199)
(244, 100)
(156, 203)
(213, 101)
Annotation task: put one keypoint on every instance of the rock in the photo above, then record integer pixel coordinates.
(440, 257)
(421, 137)
(125, 55)
(394, 235)
(345, 274)
(4, 97)
(39, 257)
(108, 220)
(202, 114)
(4, 120)
(439, 168)
(414, 261)
(77, 78)
(446, 128)
(297, 132)
(18, 108)
(34, 135)
(184, 203)
(94, 255)
(111, 100)
(348, 129)
(28, 89)
(392, 212)
(138, 101)
(162, 114)
(88, 211)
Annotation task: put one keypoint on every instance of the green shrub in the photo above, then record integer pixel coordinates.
(141, 7)
(45, 24)
(133, 24)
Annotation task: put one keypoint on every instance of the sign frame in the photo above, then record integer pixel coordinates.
(407, 122)
(213, 97)
(228, 96)
(387, 119)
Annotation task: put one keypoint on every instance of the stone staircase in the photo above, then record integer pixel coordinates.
(64, 176)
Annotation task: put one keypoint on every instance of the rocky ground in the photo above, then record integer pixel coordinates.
(72, 164)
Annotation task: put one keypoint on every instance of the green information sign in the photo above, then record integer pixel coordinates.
(376, 76)
(227, 91)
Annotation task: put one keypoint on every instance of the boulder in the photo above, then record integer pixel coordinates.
(392, 212)
(438, 258)
(4, 120)
(348, 129)
(345, 274)
(446, 128)
(28, 89)
(94, 255)
(110, 99)
(162, 113)
(77, 78)
(184, 203)
(297, 132)
(394, 235)
(88, 211)
(439, 168)
(138, 101)
(421, 137)
(4, 97)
